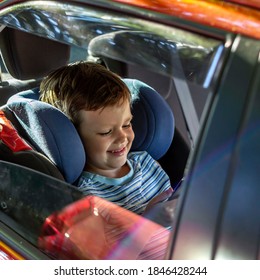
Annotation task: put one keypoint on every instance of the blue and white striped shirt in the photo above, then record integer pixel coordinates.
(133, 192)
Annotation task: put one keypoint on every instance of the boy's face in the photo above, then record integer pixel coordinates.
(107, 136)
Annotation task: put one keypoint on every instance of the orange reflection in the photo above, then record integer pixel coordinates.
(223, 15)
(251, 3)
(7, 253)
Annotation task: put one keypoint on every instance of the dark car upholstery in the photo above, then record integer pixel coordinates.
(28, 58)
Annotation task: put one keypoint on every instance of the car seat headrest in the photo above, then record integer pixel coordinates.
(28, 56)
(153, 120)
(51, 133)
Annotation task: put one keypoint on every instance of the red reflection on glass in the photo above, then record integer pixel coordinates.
(93, 228)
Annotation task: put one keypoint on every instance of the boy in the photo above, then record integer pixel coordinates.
(98, 103)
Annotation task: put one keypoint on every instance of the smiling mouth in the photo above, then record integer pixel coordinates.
(118, 152)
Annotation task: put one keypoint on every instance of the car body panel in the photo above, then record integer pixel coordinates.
(250, 3)
(212, 13)
(7, 253)
(13, 245)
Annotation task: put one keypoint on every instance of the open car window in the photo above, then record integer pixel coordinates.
(188, 60)
(116, 36)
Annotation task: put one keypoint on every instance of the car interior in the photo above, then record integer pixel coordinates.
(55, 148)
(21, 100)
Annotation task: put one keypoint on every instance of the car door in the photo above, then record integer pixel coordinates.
(219, 214)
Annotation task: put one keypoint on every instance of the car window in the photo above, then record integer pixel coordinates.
(29, 197)
(52, 215)
(189, 60)
(181, 65)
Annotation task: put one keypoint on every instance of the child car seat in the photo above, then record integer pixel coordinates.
(15, 149)
(28, 58)
(153, 120)
(52, 134)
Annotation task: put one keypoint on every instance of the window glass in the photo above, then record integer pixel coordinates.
(180, 64)
(156, 46)
(29, 197)
(189, 59)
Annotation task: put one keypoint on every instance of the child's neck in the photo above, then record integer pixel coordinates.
(111, 173)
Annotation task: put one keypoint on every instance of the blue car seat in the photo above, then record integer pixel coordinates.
(51, 133)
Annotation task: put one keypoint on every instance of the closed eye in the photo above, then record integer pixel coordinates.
(105, 133)
(127, 125)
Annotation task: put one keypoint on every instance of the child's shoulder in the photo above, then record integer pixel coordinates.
(138, 155)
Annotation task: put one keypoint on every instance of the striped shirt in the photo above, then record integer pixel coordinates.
(133, 192)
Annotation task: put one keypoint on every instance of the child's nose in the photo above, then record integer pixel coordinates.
(121, 136)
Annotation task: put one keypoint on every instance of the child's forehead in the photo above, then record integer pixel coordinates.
(107, 115)
(122, 104)
(123, 109)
